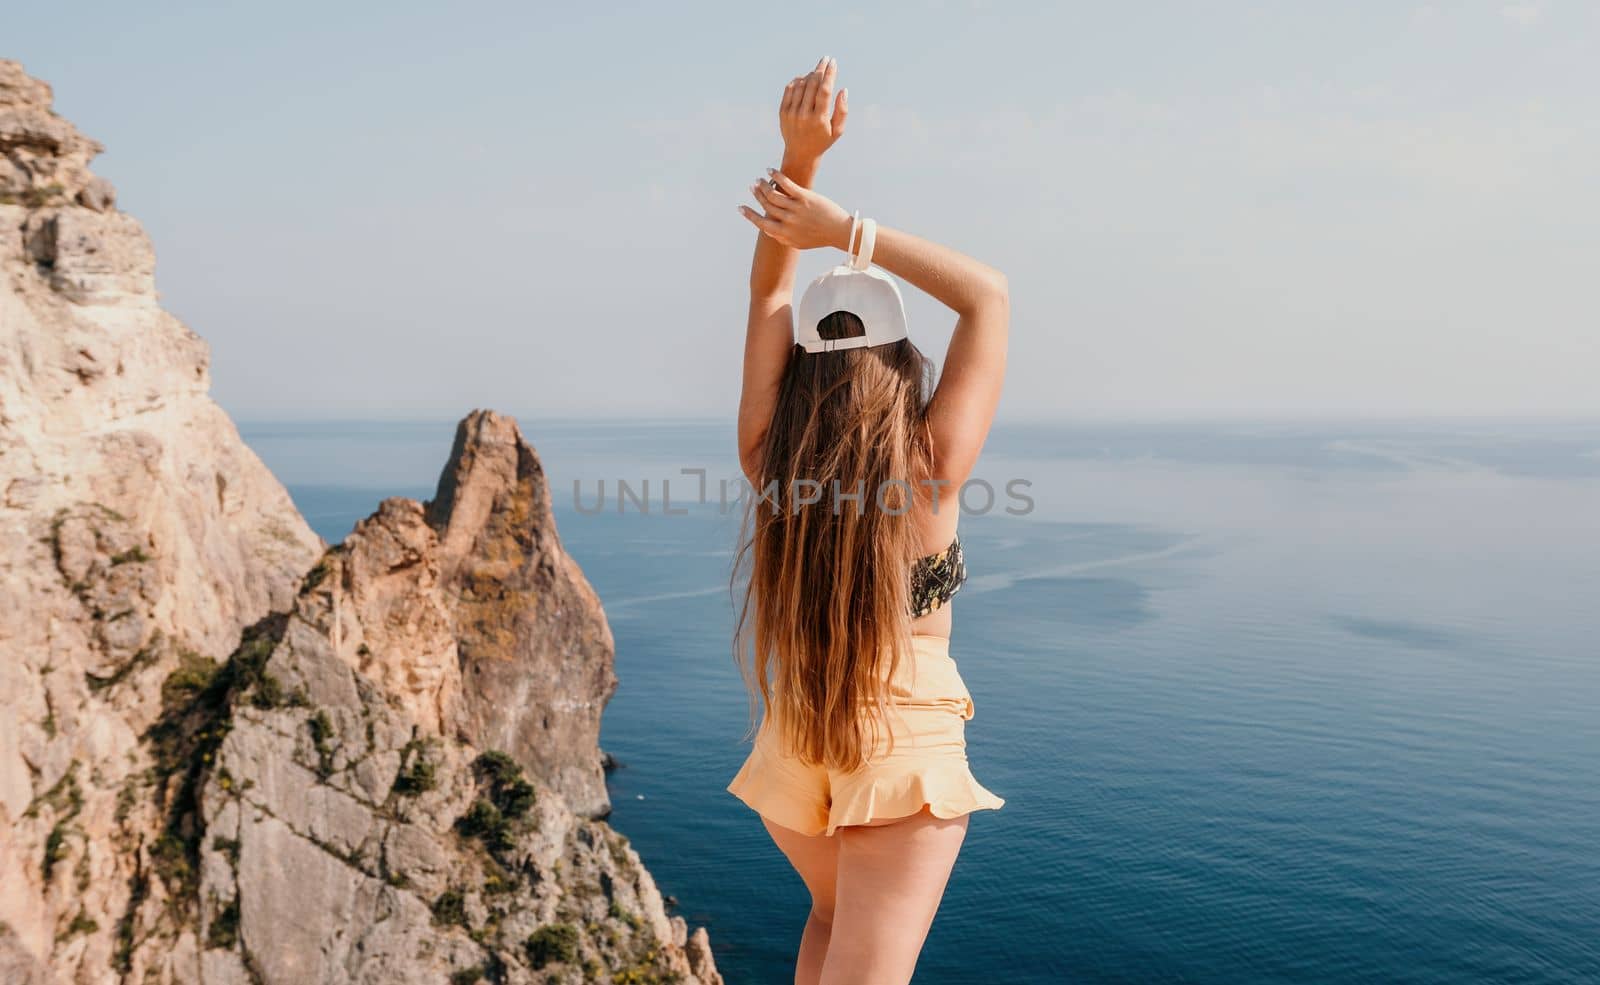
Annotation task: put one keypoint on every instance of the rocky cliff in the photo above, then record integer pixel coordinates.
(230, 753)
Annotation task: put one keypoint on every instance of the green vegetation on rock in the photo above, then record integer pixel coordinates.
(418, 771)
(552, 942)
(507, 798)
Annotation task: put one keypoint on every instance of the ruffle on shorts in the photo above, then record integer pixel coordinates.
(927, 767)
(947, 789)
(772, 790)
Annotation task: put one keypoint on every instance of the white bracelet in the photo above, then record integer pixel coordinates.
(869, 239)
(850, 244)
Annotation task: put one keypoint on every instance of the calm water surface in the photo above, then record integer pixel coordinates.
(1268, 703)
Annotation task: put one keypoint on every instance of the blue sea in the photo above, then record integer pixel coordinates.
(1268, 702)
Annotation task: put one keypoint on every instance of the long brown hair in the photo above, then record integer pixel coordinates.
(826, 613)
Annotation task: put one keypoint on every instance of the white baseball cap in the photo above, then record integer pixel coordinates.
(869, 294)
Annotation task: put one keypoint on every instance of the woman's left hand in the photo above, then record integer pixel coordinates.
(810, 119)
(797, 217)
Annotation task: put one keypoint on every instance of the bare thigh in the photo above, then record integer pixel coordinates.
(816, 859)
(892, 877)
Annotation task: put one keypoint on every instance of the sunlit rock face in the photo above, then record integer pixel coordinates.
(137, 531)
(232, 753)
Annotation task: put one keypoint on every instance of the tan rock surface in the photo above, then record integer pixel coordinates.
(230, 754)
(135, 527)
(536, 652)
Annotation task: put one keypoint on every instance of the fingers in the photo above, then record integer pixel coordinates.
(808, 101)
(768, 226)
(795, 94)
(770, 198)
(785, 185)
(841, 109)
(824, 93)
(811, 93)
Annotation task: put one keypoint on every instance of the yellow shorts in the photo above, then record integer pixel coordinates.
(928, 716)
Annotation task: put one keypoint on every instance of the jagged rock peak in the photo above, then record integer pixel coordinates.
(531, 630)
(471, 614)
(45, 159)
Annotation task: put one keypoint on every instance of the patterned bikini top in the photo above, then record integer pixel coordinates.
(936, 578)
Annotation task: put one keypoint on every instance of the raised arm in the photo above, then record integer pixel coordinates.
(963, 405)
(810, 120)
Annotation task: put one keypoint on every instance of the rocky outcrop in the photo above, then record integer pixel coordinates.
(331, 812)
(536, 652)
(136, 530)
(229, 753)
(46, 160)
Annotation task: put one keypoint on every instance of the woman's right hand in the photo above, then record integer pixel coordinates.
(810, 119)
(797, 217)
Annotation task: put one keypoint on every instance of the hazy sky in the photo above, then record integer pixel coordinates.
(411, 210)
